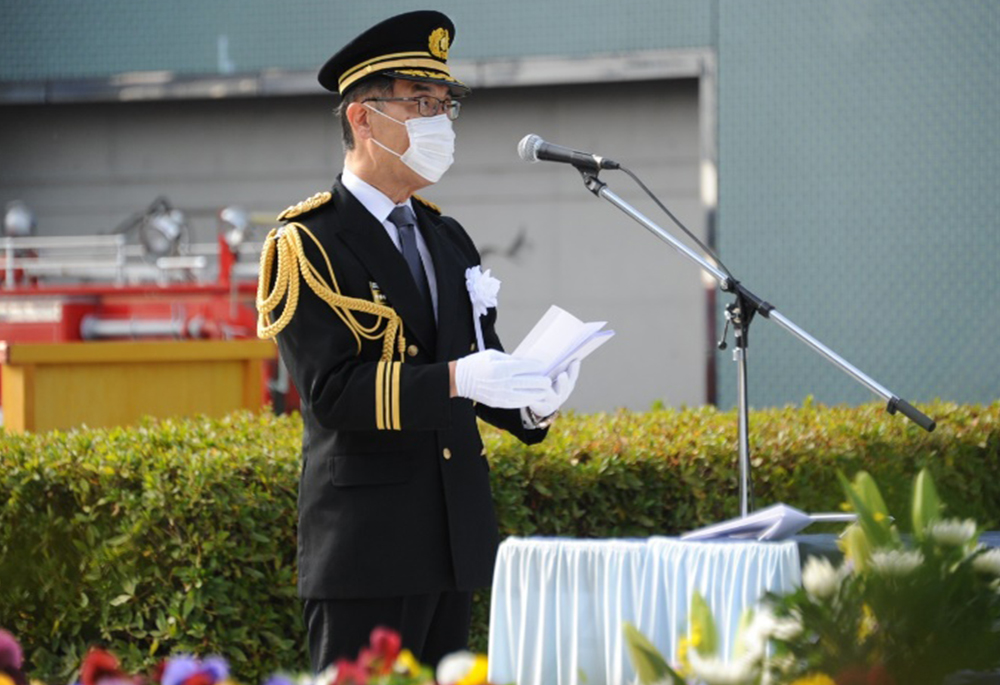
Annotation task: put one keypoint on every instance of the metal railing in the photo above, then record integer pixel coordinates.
(111, 258)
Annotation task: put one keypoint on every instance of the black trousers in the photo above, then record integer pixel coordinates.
(431, 626)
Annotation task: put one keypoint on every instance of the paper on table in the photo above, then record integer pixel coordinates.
(776, 522)
(559, 337)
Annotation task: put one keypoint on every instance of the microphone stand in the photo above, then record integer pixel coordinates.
(740, 313)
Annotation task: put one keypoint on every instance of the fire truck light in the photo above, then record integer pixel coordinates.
(235, 225)
(19, 220)
(161, 233)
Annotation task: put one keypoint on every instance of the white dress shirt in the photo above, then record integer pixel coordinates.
(379, 206)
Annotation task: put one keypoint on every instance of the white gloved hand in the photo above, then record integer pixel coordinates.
(500, 380)
(562, 386)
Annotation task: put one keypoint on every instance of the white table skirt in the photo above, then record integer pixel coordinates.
(558, 605)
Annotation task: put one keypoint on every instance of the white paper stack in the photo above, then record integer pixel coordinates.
(559, 338)
(776, 522)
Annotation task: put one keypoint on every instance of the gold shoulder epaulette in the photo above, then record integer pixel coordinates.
(283, 246)
(428, 204)
(307, 205)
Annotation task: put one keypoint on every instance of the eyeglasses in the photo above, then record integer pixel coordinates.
(428, 105)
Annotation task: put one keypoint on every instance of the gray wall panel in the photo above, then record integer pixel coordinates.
(859, 156)
(585, 255)
(55, 39)
(84, 168)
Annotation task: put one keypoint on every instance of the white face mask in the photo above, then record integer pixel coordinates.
(432, 145)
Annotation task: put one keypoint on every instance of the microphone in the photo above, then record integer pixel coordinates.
(533, 149)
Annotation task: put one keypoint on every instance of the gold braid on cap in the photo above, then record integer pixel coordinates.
(286, 243)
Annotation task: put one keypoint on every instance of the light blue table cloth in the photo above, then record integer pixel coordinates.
(558, 605)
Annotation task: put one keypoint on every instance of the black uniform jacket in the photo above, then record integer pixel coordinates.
(394, 496)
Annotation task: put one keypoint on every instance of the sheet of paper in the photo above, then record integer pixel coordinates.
(776, 522)
(582, 351)
(559, 337)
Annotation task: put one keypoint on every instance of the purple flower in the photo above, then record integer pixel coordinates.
(179, 669)
(11, 656)
(216, 667)
(278, 679)
(187, 670)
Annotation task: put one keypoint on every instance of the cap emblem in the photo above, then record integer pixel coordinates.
(438, 43)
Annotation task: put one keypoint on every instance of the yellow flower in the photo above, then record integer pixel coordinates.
(407, 663)
(684, 645)
(815, 679)
(476, 674)
(462, 668)
(695, 636)
(868, 623)
(6, 679)
(855, 546)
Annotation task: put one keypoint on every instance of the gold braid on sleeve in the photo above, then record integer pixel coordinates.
(286, 244)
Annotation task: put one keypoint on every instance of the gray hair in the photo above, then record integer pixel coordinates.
(376, 86)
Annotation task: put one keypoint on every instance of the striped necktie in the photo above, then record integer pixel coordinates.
(406, 223)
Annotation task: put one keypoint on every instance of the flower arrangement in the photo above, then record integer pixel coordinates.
(899, 610)
(383, 662)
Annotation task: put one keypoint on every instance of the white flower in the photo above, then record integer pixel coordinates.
(952, 532)
(756, 635)
(820, 578)
(781, 664)
(896, 563)
(454, 667)
(988, 563)
(326, 677)
(483, 289)
(787, 628)
(766, 625)
(714, 671)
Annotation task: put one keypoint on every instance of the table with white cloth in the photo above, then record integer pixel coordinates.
(558, 605)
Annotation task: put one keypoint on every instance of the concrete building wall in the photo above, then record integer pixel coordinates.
(84, 168)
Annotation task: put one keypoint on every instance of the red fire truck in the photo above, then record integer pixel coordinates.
(144, 280)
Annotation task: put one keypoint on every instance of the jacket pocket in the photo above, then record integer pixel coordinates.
(371, 469)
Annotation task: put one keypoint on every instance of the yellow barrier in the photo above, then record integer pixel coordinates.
(59, 386)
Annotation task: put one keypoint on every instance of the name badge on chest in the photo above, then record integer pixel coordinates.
(378, 297)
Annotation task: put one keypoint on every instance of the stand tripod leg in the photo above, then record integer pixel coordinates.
(740, 357)
(740, 314)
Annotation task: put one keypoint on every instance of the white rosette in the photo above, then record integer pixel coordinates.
(483, 290)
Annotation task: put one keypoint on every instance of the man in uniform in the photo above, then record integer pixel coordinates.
(365, 289)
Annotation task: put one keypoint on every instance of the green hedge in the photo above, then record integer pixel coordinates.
(180, 535)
